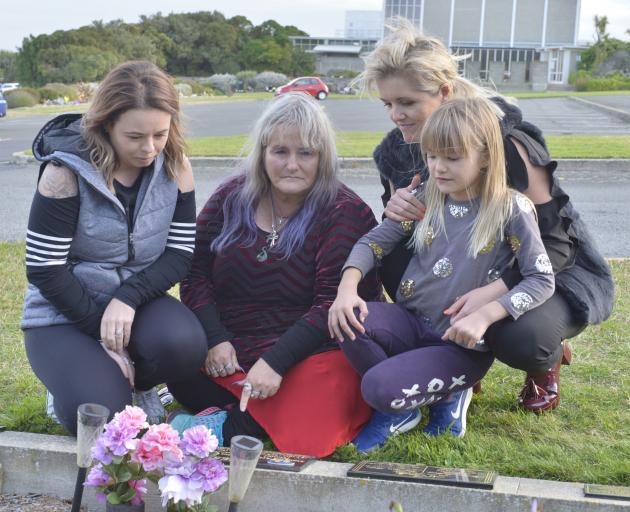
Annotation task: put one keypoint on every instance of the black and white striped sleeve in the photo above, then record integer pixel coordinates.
(49, 236)
(174, 263)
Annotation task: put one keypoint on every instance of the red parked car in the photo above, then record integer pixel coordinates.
(310, 84)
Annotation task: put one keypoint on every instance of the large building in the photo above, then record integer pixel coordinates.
(363, 24)
(515, 44)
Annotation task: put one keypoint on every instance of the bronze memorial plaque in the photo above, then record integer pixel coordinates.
(271, 460)
(611, 492)
(425, 474)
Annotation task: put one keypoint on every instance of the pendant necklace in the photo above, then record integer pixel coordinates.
(276, 225)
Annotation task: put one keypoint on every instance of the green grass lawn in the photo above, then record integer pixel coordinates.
(361, 144)
(587, 439)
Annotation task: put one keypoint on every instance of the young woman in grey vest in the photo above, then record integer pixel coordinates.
(111, 229)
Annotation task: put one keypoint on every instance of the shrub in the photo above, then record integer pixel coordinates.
(85, 91)
(197, 88)
(584, 81)
(247, 78)
(224, 83)
(21, 98)
(268, 80)
(184, 89)
(55, 90)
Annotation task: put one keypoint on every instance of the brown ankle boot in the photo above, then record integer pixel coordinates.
(541, 392)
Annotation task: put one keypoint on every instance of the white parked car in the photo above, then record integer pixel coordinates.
(9, 86)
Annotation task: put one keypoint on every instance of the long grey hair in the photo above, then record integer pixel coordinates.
(291, 110)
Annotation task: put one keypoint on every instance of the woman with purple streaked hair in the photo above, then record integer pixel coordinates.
(269, 250)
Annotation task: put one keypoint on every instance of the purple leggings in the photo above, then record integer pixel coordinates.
(404, 362)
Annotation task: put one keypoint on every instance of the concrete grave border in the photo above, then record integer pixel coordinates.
(47, 464)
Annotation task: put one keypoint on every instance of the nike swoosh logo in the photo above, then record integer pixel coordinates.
(394, 428)
(457, 412)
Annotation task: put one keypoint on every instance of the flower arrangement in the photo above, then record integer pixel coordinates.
(129, 452)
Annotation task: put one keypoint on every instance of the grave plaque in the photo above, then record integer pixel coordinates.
(425, 474)
(271, 460)
(611, 492)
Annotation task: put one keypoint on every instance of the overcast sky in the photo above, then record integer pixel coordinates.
(20, 18)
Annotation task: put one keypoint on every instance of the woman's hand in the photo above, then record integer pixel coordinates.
(475, 299)
(341, 317)
(221, 360)
(116, 325)
(404, 205)
(262, 382)
(124, 362)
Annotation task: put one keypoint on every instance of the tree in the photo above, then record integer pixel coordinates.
(601, 23)
(8, 66)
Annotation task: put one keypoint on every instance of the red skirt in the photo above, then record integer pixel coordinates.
(317, 408)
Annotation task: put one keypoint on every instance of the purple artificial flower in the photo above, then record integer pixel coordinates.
(213, 474)
(97, 478)
(198, 441)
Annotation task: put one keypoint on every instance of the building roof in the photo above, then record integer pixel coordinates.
(338, 48)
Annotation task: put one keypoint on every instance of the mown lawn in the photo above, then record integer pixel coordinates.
(587, 439)
(361, 144)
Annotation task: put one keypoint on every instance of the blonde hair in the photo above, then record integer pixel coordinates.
(462, 127)
(132, 85)
(424, 61)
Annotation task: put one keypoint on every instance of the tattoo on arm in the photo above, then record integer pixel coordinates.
(58, 182)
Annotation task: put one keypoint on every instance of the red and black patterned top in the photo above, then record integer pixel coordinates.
(276, 309)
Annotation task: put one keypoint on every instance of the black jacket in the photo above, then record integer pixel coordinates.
(583, 277)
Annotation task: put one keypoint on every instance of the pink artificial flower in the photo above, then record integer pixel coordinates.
(141, 489)
(198, 441)
(133, 417)
(158, 448)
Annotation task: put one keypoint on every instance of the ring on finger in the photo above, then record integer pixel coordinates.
(262, 396)
(118, 334)
(228, 366)
(255, 394)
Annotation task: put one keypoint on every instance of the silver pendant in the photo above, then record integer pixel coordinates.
(262, 255)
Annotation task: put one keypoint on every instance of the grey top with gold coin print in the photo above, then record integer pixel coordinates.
(443, 270)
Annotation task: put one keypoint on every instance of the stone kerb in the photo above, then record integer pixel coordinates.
(352, 164)
(47, 464)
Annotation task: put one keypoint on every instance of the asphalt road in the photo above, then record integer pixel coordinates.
(601, 198)
(552, 115)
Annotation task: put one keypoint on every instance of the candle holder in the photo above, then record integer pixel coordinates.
(244, 454)
(91, 419)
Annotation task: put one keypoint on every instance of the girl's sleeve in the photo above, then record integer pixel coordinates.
(197, 288)
(51, 227)
(349, 220)
(523, 236)
(172, 265)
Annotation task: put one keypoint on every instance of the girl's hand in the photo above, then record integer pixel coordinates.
(341, 317)
(262, 382)
(221, 360)
(116, 325)
(468, 331)
(475, 299)
(124, 362)
(404, 205)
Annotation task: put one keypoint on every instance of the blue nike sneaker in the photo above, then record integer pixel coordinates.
(382, 426)
(449, 415)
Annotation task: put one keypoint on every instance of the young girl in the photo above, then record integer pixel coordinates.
(410, 353)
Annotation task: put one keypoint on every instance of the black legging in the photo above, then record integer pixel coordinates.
(198, 392)
(167, 344)
(532, 343)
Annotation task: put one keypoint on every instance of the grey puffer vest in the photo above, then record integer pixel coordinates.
(104, 252)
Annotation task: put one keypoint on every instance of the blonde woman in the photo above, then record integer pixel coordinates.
(111, 229)
(413, 75)
(409, 353)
